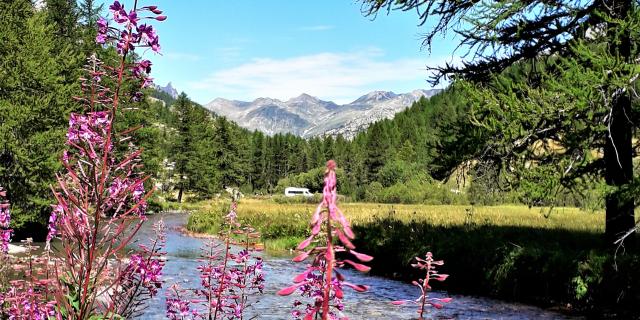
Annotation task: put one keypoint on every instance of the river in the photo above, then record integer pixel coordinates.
(183, 251)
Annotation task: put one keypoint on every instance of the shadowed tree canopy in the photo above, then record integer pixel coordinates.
(553, 81)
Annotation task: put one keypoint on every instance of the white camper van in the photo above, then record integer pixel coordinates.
(292, 192)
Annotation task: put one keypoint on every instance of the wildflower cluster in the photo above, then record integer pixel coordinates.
(227, 279)
(100, 198)
(5, 219)
(29, 293)
(134, 34)
(429, 265)
(318, 281)
(130, 33)
(141, 277)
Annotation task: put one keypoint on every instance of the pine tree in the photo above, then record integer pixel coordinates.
(232, 166)
(182, 148)
(34, 108)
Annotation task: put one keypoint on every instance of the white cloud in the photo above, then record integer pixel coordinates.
(322, 27)
(340, 77)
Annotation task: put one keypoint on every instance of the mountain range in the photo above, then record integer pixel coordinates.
(308, 116)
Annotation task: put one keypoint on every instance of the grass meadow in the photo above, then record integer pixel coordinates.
(277, 220)
(552, 257)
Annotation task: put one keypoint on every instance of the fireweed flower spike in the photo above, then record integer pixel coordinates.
(320, 281)
(22, 295)
(227, 279)
(5, 219)
(101, 198)
(429, 266)
(25, 295)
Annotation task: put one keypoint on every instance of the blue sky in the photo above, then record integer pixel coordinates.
(245, 49)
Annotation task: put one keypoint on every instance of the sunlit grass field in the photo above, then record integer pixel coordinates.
(281, 221)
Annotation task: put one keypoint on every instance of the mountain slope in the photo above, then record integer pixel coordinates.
(309, 116)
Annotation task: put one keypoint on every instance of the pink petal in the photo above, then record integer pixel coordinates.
(301, 256)
(349, 232)
(358, 266)
(441, 277)
(361, 256)
(316, 228)
(356, 287)
(288, 290)
(399, 302)
(305, 243)
(345, 240)
(316, 215)
(299, 278)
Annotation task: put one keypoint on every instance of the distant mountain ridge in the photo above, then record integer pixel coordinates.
(308, 116)
(168, 89)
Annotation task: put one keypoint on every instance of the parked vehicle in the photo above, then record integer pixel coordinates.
(293, 192)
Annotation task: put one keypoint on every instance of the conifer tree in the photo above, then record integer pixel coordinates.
(34, 108)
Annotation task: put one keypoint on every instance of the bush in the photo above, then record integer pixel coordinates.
(207, 221)
(373, 191)
(401, 193)
(394, 172)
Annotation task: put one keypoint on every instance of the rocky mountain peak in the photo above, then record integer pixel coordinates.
(307, 116)
(169, 89)
(375, 96)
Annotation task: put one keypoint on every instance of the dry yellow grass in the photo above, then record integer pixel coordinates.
(444, 215)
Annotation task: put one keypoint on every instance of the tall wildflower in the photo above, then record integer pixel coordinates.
(24, 293)
(5, 219)
(428, 264)
(101, 198)
(330, 234)
(227, 279)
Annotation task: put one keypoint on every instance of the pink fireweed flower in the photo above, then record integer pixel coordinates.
(320, 282)
(227, 279)
(89, 130)
(429, 265)
(5, 220)
(51, 227)
(100, 198)
(103, 25)
(135, 35)
(177, 309)
(5, 216)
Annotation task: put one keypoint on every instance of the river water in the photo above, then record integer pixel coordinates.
(183, 251)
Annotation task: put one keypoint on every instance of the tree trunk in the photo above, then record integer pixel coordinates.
(619, 173)
(180, 194)
(618, 150)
